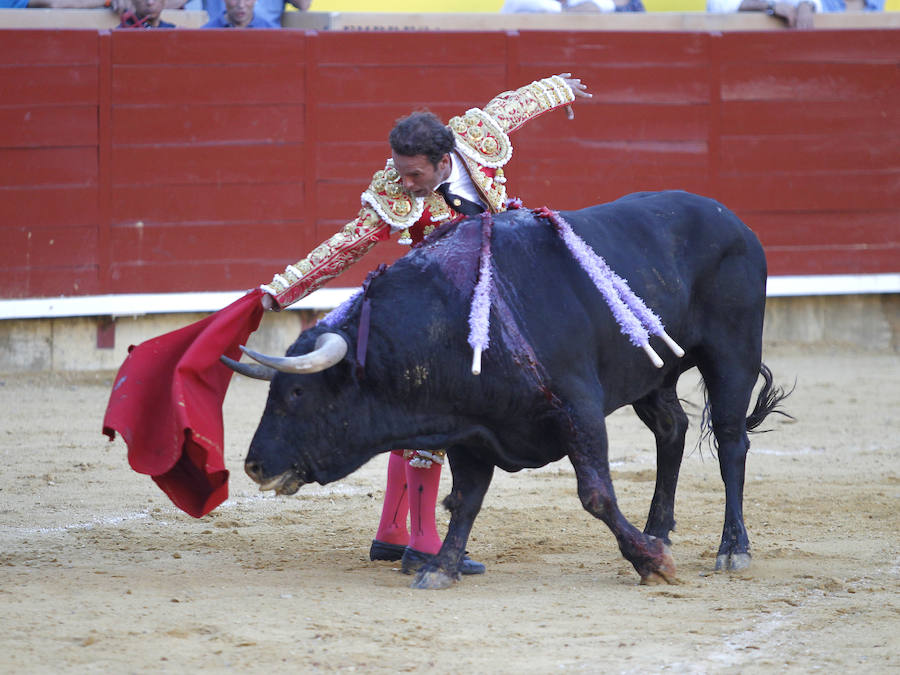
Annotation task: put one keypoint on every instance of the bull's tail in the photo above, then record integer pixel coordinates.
(769, 400)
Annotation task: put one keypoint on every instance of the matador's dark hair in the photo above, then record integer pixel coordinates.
(422, 133)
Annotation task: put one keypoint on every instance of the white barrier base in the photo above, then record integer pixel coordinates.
(139, 304)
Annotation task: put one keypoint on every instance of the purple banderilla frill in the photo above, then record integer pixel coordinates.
(479, 314)
(336, 317)
(635, 319)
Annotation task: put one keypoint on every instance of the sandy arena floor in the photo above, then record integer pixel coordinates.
(100, 573)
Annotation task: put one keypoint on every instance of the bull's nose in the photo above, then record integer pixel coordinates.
(254, 469)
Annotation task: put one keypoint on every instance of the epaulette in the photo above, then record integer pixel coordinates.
(396, 206)
(480, 138)
(391, 201)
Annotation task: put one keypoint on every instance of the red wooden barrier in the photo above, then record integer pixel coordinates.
(165, 161)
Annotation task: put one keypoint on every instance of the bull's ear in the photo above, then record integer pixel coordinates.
(254, 370)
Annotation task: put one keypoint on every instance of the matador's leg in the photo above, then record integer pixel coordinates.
(392, 536)
(424, 481)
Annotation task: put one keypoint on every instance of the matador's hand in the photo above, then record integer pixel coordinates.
(576, 85)
(578, 88)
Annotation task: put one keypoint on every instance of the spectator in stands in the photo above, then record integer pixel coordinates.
(796, 13)
(52, 4)
(267, 12)
(237, 14)
(841, 5)
(630, 6)
(556, 6)
(145, 14)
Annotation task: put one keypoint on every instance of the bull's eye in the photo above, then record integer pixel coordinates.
(296, 394)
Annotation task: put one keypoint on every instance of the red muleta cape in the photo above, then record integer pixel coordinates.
(166, 402)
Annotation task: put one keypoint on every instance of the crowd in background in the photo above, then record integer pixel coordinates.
(268, 13)
(148, 13)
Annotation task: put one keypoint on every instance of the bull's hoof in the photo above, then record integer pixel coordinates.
(732, 562)
(664, 572)
(412, 560)
(658, 579)
(432, 581)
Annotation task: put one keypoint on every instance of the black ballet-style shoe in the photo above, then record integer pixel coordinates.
(412, 560)
(380, 550)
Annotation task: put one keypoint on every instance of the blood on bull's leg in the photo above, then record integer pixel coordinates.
(471, 479)
(649, 555)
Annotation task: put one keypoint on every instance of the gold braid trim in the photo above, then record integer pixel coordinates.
(329, 259)
(512, 109)
(480, 138)
(422, 459)
(390, 200)
(492, 189)
(438, 212)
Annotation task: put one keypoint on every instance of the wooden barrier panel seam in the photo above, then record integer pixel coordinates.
(714, 143)
(104, 157)
(310, 207)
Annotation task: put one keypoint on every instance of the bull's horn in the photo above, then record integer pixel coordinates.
(330, 349)
(254, 370)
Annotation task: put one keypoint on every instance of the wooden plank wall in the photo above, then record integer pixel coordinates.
(49, 174)
(207, 162)
(810, 148)
(165, 161)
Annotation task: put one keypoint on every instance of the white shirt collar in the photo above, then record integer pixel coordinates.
(460, 181)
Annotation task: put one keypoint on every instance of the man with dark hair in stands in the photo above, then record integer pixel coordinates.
(237, 14)
(268, 13)
(52, 4)
(436, 173)
(145, 14)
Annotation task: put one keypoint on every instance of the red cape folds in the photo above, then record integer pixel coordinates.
(167, 399)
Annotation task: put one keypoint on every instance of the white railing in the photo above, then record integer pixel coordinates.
(139, 304)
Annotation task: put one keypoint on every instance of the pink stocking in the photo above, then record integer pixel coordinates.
(392, 528)
(423, 491)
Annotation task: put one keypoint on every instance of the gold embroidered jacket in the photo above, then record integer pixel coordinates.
(482, 140)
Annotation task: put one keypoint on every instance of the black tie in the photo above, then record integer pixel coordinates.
(457, 203)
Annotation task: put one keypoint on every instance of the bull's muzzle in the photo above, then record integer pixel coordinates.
(254, 469)
(286, 483)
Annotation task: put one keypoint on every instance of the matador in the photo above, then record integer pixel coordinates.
(436, 173)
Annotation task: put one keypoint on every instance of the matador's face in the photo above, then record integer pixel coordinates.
(418, 175)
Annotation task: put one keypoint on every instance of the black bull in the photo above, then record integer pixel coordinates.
(556, 366)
